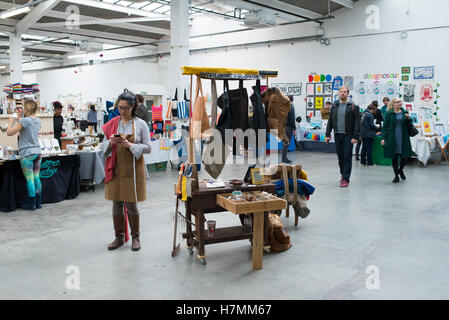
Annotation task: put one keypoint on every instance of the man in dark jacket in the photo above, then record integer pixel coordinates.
(142, 111)
(58, 121)
(289, 129)
(368, 133)
(344, 119)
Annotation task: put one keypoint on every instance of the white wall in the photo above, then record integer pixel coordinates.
(354, 50)
(365, 52)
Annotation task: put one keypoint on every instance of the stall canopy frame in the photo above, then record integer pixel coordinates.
(214, 73)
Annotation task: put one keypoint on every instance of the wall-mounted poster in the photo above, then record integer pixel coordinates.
(310, 103)
(328, 99)
(414, 117)
(426, 92)
(409, 92)
(427, 127)
(328, 78)
(318, 102)
(289, 89)
(310, 89)
(405, 78)
(337, 83)
(327, 88)
(316, 78)
(318, 89)
(408, 107)
(349, 82)
(405, 70)
(423, 73)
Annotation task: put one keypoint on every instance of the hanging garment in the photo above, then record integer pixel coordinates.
(259, 120)
(277, 106)
(361, 90)
(225, 119)
(376, 91)
(238, 101)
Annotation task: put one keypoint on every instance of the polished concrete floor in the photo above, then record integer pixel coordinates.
(373, 240)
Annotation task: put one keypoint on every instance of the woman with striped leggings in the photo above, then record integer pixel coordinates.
(29, 151)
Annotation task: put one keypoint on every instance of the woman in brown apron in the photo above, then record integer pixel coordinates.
(127, 138)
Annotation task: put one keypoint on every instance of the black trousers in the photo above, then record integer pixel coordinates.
(398, 165)
(289, 134)
(367, 151)
(344, 147)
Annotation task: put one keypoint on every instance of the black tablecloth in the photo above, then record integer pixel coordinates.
(59, 175)
(316, 146)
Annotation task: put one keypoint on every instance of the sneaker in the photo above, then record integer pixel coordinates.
(344, 184)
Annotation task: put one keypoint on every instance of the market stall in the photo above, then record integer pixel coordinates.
(202, 198)
(60, 178)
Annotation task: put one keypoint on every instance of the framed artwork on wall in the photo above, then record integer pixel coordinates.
(318, 89)
(310, 104)
(405, 70)
(318, 102)
(327, 88)
(310, 89)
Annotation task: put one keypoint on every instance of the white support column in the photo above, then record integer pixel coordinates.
(15, 58)
(179, 45)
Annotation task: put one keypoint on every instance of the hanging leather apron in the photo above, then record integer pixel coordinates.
(121, 188)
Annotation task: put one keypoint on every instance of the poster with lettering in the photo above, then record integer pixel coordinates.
(318, 89)
(318, 102)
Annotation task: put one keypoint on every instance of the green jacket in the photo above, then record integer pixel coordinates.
(389, 137)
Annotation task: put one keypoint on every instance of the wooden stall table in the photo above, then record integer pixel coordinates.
(204, 201)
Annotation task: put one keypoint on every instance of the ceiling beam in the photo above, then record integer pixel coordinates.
(35, 14)
(115, 7)
(288, 8)
(345, 3)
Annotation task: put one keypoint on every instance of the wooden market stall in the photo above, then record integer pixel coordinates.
(203, 200)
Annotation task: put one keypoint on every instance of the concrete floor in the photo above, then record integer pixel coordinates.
(401, 229)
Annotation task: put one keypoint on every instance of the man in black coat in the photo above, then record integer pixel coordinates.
(289, 130)
(344, 119)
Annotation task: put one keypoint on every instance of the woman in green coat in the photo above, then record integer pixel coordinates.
(396, 140)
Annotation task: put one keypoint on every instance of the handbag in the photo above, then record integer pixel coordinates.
(412, 131)
(200, 121)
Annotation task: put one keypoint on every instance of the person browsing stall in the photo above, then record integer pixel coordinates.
(58, 121)
(368, 133)
(396, 140)
(127, 138)
(344, 120)
(92, 117)
(30, 152)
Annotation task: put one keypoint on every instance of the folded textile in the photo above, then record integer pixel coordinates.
(304, 188)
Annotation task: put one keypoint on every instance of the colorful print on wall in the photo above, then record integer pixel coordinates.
(349, 82)
(316, 78)
(414, 117)
(327, 88)
(310, 102)
(426, 92)
(405, 70)
(318, 102)
(328, 78)
(408, 107)
(310, 89)
(405, 78)
(318, 89)
(337, 83)
(421, 73)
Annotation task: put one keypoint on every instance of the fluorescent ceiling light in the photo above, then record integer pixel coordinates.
(2, 67)
(14, 12)
(74, 56)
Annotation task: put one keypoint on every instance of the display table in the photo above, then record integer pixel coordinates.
(204, 201)
(92, 166)
(314, 140)
(59, 175)
(378, 153)
(423, 146)
(157, 154)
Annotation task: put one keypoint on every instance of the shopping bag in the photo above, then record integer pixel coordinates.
(174, 105)
(200, 119)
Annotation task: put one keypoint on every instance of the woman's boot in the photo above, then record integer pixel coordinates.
(134, 223)
(396, 171)
(401, 167)
(38, 201)
(30, 204)
(119, 228)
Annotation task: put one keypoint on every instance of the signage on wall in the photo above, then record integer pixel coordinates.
(293, 89)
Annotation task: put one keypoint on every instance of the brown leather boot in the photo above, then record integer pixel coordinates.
(119, 227)
(134, 223)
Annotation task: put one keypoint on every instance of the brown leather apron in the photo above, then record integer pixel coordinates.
(121, 188)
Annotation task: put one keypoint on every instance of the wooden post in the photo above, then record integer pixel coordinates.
(258, 218)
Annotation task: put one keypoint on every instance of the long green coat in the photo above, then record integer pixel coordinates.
(389, 136)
